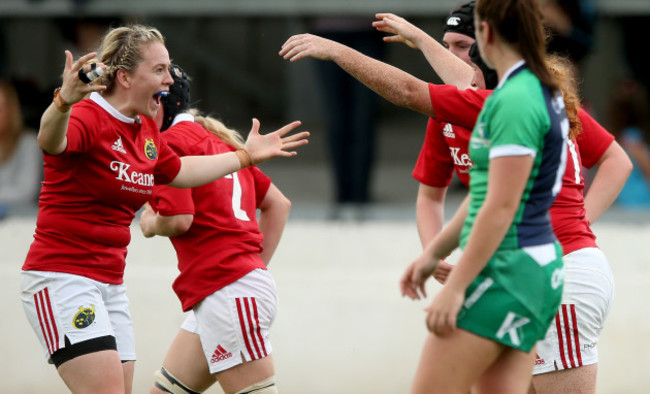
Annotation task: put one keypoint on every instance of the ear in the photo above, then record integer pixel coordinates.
(123, 78)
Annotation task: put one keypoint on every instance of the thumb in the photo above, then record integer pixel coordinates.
(256, 126)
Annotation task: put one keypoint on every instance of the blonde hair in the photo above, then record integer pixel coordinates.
(121, 49)
(216, 127)
(564, 73)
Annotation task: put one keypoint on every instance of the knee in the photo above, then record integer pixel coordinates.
(266, 386)
(167, 383)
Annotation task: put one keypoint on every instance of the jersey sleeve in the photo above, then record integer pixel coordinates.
(593, 140)
(458, 107)
(80, 136)
(435, 166)
(168, 165)
(262, 184)
(169, 201)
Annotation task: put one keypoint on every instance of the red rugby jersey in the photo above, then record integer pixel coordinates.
(92, 190)
(224, 241)
(460, 108)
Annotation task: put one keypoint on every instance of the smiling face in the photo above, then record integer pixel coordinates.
(149, 78)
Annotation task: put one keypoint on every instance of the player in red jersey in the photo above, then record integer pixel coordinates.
(453, 114)
(222, 258)
(103, 156)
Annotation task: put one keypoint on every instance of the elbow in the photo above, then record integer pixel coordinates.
(628, 167)
(181, 225)
(286, 205)
(44, 143)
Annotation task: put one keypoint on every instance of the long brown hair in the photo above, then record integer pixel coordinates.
(519, 24)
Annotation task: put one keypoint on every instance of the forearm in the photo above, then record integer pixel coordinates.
(451, 69)
(614, 168)
(393, 84)
(272, 224)
(274, 212)
(448, 239)
(166, 226)
(430, 212)
(53, 129)
(199, 170)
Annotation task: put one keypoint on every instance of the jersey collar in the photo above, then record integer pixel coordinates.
(510, 71)
(101, 101)
(184, 117)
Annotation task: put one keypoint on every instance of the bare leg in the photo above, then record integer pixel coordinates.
(128, 368)
(581, 380)
(452, 363)
(95, 373)
(243, 375)
(510, 373)
(186, 362)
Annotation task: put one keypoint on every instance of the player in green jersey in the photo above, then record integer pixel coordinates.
(506, 288)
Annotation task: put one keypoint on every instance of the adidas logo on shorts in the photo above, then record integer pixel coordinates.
(220, 354)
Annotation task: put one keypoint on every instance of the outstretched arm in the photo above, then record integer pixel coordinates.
(451, 69)
(199, 170)
(393, 84)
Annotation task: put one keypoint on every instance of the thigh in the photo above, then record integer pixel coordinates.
(576, 380)
(244, 375)
(453, 363)
(185, 360)
(510, 373)
(94, 373)
(60, 306)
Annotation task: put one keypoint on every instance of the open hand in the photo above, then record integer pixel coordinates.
(443, 311)
(402, 30)
(279, 143)
(73, 89)
(416, 274)
(308, 45)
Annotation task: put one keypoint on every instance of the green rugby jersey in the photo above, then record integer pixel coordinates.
(521, 117)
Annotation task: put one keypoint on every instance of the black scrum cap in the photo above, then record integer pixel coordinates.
(178, 99)
(461, 19)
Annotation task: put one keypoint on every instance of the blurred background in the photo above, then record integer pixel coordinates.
(231, 49)
(343, 253)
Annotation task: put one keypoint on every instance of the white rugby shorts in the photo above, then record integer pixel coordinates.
(233, 322)
(60, 305)
(572, 338)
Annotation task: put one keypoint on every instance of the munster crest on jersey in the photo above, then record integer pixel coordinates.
(150, 149)
(85, 317)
